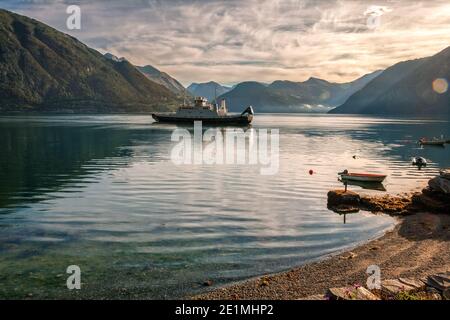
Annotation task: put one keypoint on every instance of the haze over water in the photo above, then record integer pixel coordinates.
(101, 192)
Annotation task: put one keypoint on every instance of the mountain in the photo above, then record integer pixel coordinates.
(208, 90)
(114, 58)
(313, 95)
(350, 88)
(163, 79)
(406, 88)
(42, 69)
(263, 98)
(154, 75)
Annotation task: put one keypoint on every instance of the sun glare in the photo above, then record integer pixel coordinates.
(440, 85)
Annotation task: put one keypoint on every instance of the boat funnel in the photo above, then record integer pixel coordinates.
(223, 105)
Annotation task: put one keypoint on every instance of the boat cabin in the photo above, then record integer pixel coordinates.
(201, 102)
(202, 107)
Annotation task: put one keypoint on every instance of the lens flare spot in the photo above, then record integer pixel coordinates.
(440, 85)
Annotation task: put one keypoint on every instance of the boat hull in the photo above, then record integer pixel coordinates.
(242, 120)
(433, 143)
(363, 178)
(368, 185)
(439, 143)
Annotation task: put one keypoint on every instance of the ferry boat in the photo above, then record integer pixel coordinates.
(208, 113)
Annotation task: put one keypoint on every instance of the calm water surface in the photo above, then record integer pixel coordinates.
(101, 192)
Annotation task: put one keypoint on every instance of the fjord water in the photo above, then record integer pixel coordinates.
(101, 192)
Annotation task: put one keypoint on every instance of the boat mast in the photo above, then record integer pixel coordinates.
(216, 106)
(215, 93)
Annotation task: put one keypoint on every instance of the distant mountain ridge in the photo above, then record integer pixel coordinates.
(163, 79)
(262, 98)
(114, 58)
(42, 69)
(312, 95)
(154, 75)
(209, 90)
(405, 88)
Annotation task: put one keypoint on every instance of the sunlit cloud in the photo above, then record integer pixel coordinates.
(231, 41)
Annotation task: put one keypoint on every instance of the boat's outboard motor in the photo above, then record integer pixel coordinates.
(249, 110)
(419, 162)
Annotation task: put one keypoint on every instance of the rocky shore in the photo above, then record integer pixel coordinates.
(414, 258)
(433, 198)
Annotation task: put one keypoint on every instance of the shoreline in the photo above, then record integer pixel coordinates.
(417, 246)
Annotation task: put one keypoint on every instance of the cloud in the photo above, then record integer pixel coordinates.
(231, 41)
(377, 10)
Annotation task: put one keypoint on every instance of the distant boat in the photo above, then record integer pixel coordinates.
(434, 142)
(363, 177)
(207, 113)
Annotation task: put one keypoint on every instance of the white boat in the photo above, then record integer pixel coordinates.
(207, 113)
(419, 161)
(363, 177)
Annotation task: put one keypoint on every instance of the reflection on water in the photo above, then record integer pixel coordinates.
(378, 186)
(101, 192)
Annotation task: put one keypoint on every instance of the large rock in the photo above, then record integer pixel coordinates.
(435, 194)
(446, 294)
(431, 202)
(445, 173)
(395, 286)
(415, 283)
(440, 281)
(341, 197)
(440, 184)
(342, 202)
(387, 204)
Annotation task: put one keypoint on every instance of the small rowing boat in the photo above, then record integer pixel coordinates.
(363, 177)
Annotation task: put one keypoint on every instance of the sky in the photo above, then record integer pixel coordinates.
(231, 41)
